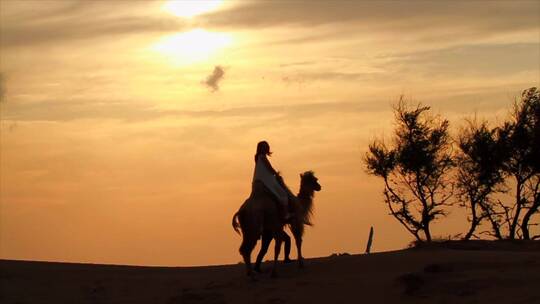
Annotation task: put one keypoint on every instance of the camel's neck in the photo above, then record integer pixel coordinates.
(305, 195)
(305, 200)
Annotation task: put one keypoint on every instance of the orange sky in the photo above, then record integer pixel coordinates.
(118, 146)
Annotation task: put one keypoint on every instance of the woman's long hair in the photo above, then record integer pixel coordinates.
(263, 148)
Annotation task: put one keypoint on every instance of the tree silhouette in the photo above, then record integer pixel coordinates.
(415, 170)
(522, 133)
(479, 163)
(505, 159)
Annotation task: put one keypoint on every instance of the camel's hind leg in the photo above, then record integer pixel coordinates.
(266, 240)
(277, 249)
(248, 243)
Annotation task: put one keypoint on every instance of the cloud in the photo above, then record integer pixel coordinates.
(487, 97)
(404, 21)
(466, 61)
(471, 60)
(297, 64)
(387, 14)
(131, 111)
(309, 76)
(2, 89)
(32, 23)
(213, 80)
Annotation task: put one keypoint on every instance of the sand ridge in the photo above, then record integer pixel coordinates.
(508, 274)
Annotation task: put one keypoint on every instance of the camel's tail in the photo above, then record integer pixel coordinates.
(236, 223)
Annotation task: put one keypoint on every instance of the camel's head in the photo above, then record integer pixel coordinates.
(309, 181)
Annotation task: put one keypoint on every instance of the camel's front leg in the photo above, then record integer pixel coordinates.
(297, 231)
(277, 249)
(299, 250)
(266, 239)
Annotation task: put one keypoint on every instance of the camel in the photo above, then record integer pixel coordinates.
(259, 217)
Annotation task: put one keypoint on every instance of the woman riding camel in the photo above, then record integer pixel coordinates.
(265, 173)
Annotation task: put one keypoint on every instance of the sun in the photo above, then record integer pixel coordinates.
(192, 46)
(195, 45)
(190, 8)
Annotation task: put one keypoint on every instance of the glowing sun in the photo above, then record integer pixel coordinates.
(193, 46)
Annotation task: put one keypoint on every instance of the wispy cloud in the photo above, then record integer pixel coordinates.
(489, 97)
(471, 60)
(297, 64)
(398, 15)
(131, 111)
(64, 21)
(401, 24)
(212, 81)
(308, 76)
(2, 89)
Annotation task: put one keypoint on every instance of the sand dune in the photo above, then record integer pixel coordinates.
(479, 272)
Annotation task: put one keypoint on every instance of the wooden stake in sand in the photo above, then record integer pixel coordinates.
(370, 240)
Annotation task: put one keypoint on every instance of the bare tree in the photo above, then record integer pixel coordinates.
(415, 170)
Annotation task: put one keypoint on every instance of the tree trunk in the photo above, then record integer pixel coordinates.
(496, 228)
(426, 231)
(527, 218)
(470, 233)
(474, 222)
(519, 202)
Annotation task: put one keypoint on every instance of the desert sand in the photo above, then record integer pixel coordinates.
(455, 272)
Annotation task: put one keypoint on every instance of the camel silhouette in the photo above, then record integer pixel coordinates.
(259, 217)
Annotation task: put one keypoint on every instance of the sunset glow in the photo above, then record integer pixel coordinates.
(191, 47)
(128, 129)
(191, 8)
